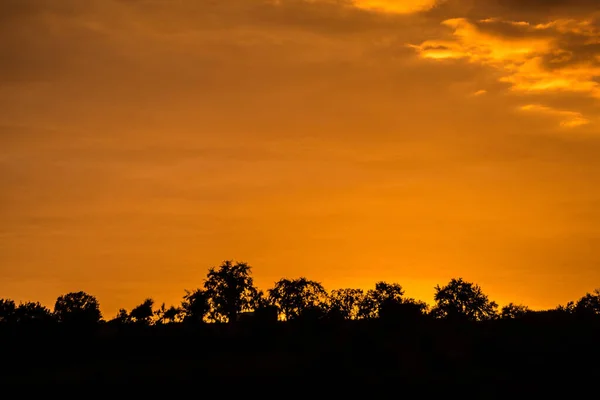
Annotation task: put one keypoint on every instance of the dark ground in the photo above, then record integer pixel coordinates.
(483, 357)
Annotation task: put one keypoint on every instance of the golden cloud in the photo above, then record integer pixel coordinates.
(568, 119)
(537, 60)
(480, 47)
(396, 6)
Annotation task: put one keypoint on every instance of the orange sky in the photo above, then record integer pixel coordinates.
(142, 142)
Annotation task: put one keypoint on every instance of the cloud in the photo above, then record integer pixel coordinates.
(568, 119)
(396, 6)
(478, 46)
(167, 16)
(548, 59)
(533, 11)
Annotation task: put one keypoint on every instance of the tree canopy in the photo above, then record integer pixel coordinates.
(228, 293)
(77, 308)
(230, 290)
(463, 300)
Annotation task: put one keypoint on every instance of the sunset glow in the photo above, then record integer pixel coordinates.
(396, 6)
(142, 142)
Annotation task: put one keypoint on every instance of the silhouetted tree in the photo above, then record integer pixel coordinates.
(407, 310)
(230, 290)
(77, 308)
(173, 314)
(463, 300)
(589, 305)
(419, 305)
(7, 310)
(261, 300)
(374, 299)
(514, 311)
(266, 314)
(568, 308)
(163, 314)
(265, 311)
(345, 303)
(298, 296)
(195, 306)
(31, 312)
(143, 313)
(398, 341)
(122, 317)
(159, 314)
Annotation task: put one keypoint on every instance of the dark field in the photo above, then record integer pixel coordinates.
(509, 354)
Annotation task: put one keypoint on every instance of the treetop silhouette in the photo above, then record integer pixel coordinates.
(463, 300)
(77, 308)
(229, 295)
(230, 290)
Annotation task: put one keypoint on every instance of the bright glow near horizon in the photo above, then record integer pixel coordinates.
(143, 142)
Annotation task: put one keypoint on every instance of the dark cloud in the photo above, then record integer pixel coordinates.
(48, 40)
(574, 53)
(546, 6)
(531, 10)
(575, 41)
(329, 16)
(238, 48)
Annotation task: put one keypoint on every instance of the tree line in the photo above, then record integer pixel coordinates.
(229, 295)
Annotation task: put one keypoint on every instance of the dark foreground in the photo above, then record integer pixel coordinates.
(483, 356)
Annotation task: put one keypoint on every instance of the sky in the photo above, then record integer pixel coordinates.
(144, 141)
